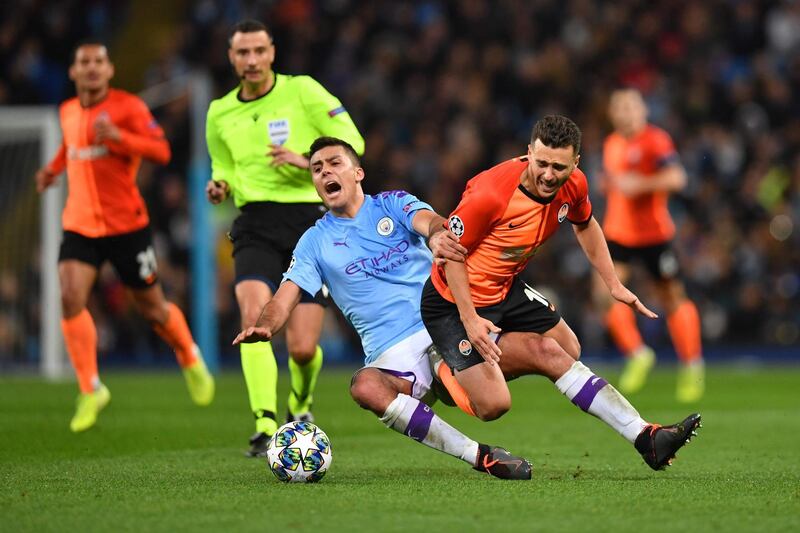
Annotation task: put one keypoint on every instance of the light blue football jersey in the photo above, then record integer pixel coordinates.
(374, 266)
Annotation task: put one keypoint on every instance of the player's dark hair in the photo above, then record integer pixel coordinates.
(557, 131)
(324, 142)
(248, 26)
(89, 42)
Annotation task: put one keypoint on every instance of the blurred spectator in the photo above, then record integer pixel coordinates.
(442, 89)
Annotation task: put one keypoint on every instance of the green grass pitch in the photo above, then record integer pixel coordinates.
(155, 462)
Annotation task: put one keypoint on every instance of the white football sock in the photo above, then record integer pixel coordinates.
(594, 395)
(414, 419)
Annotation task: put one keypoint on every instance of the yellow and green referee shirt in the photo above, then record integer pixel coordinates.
(293, 114)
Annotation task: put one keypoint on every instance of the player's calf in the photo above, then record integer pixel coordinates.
(487, 390)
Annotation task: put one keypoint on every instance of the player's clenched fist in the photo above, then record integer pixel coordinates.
(217, 191)
(104, 129)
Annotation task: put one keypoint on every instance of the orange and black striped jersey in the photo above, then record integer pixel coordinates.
(103, 198)
(641, 220)
(502, 225)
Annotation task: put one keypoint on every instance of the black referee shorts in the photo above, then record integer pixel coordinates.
(264, 236)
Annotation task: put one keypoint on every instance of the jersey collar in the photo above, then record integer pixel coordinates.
(537, 199)
(274, 84)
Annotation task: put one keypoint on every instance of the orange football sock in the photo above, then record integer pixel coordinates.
(80, 336)
(175, 332)
(456, 391)
(684, 328)
(621, 323)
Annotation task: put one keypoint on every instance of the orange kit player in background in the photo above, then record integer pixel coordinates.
(642, 168)
(106, 133)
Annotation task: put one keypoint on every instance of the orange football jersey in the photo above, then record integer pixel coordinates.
(103, 198)
(502, 225)
(641, 220)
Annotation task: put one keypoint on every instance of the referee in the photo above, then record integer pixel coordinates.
(257, 135)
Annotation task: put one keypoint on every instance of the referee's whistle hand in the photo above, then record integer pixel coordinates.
(216, 191)
(283, 156)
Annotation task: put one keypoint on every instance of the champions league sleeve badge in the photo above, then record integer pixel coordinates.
(456, 225)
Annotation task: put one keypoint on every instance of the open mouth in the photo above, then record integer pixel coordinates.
(332, 187)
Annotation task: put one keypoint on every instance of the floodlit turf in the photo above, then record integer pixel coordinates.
(157, 463)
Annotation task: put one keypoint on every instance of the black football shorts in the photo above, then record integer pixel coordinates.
(524, 309)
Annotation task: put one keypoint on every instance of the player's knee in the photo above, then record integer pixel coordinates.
(573, 347)
(302, 352)
(492, 408)
(154, 312)
(557, 360)
(364, 388)
(72, 302)
(492, 411)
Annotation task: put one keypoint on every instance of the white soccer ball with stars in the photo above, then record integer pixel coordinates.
(299, 452)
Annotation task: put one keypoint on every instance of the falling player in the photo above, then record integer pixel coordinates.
(370, 252)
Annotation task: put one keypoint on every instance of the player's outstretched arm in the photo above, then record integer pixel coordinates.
(443, 243)
(273, 316)
(590, 237)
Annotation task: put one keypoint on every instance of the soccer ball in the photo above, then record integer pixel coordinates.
(299, 452)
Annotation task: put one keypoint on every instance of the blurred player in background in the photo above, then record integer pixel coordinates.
(490, 326)
(642, 168)
(370, 251)
(106, 133)
(256, 137)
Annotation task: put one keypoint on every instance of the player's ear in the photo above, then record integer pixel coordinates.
(577, 160)
(72, 72)
(359, 174)
(111, 70)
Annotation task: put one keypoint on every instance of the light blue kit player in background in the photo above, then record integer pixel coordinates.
(370, 252)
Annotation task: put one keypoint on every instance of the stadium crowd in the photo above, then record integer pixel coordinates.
(442, 90)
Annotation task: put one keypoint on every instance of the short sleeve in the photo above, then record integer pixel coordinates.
(328, 114)
(662, 148)
(142, 121)
(402, 206)
(477, 212)
(304, 267)
(581, 210)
